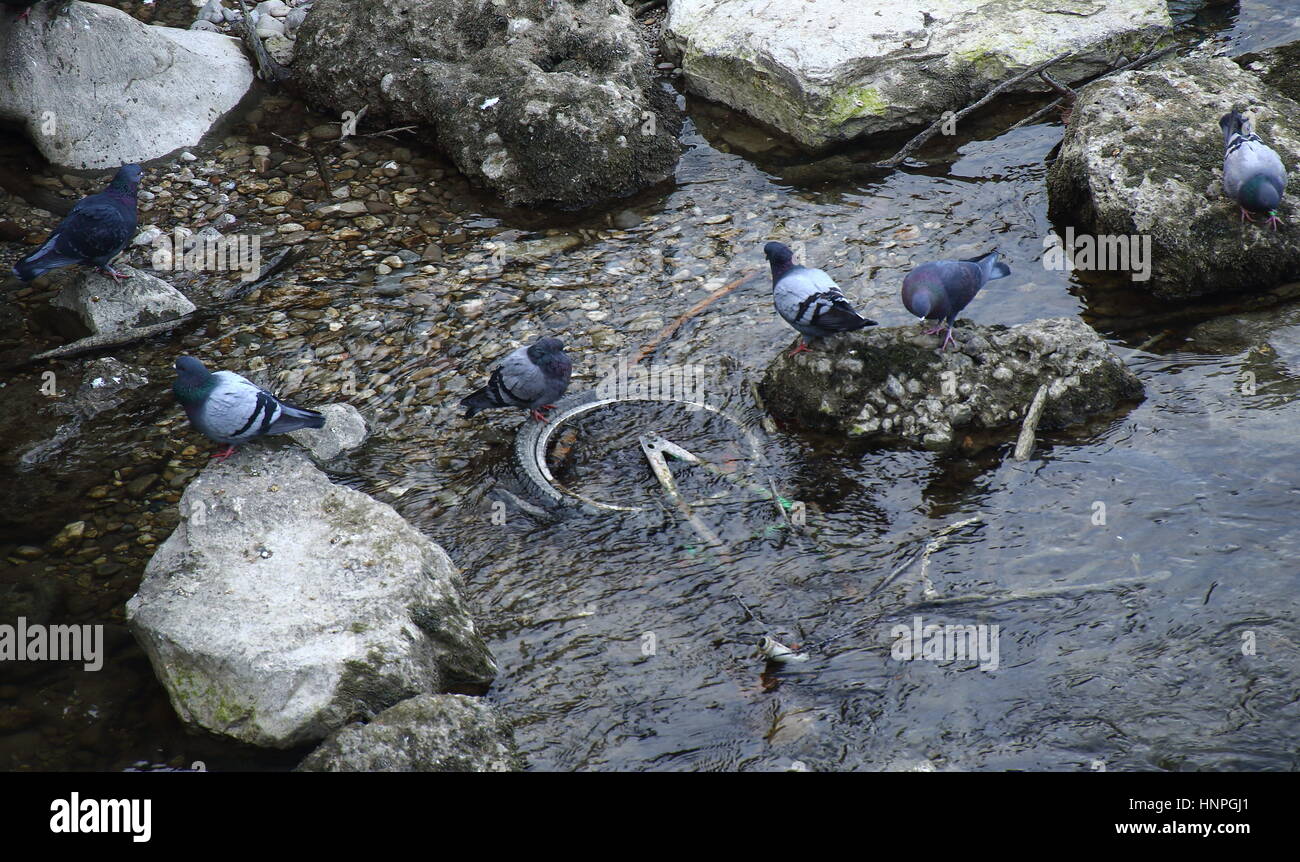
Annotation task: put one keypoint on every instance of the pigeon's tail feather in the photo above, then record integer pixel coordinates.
(480, 400)
(992, 267)
(839, 319)
(41, 261)
(292, 418)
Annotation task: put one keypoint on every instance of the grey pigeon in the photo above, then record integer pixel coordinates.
(939, 290)
(94, 232)
(532, 377)
(1253, 175)
(808, 299)
(231, 409)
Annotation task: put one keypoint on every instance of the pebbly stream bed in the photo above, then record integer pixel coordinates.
(626, 644)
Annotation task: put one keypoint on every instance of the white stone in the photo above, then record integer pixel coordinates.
(105, 305)
(103, 110)
(888, 66)
(285, 606)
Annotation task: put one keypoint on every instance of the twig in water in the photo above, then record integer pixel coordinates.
(326, 177)
(940, 539)
(776, 499)
(920, 140)
(1148, 57)
(1025, 445)
(269, 70)
(695, 309)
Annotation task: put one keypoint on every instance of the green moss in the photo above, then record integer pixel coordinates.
(854, 103)
(195, 691)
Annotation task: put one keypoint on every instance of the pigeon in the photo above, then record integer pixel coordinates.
(1253, 175)
(939, 290)
(807, 298)
(532, 377)
(231, 409)
(94, 232)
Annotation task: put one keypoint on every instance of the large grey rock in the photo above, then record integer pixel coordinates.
(830, 71)
(430, 733)
(1143, 154)
(284, 606)
(102, 304)
(102, 109)
(546, 102)
(890, 384)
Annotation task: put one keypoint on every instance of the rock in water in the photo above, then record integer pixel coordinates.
(103, 110)
(100, 304)
(429, 733)
(546, 102)
(285, 606)
(1140, 152)
(889, 385)
(896, 66)
(58, 448)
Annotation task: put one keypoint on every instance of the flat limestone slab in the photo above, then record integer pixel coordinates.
(827, 71)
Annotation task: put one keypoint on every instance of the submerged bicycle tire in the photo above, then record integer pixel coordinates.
(533, 440)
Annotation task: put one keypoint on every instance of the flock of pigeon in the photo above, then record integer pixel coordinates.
(231, 409)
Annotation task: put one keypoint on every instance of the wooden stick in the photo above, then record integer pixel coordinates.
(1149, 57)
(1025, 445)
(921, 139)
(695, 309)
(105, 340)
(326, 177)
(268, 69)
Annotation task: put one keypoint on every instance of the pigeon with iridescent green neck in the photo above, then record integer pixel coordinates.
(230, 409)
(1253, 174)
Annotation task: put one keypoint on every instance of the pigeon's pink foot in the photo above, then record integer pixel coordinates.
(802, 348)
(938, 329)
(22, 16)
(1245, 216)
(224, 453)
(113, 274)
(1273, 220)
(548, 406)
(948, 340)
(540, 416)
